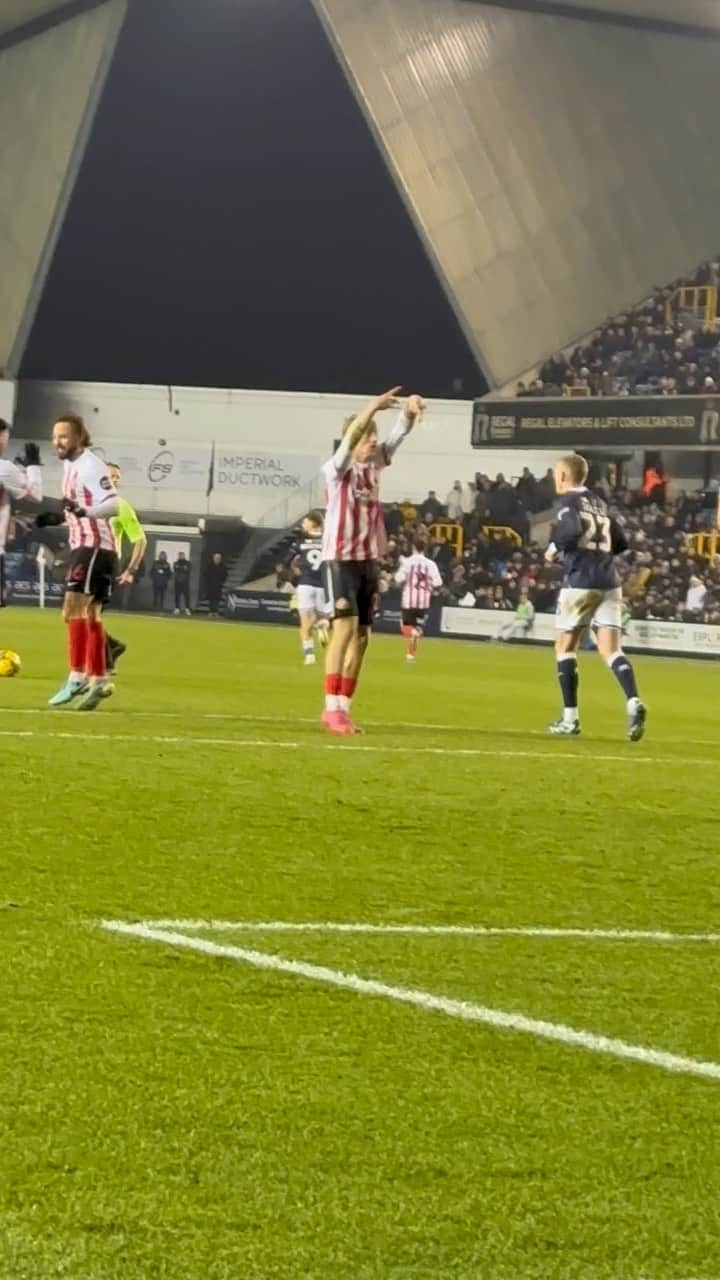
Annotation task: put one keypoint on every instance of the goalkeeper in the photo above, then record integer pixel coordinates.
(124, 525)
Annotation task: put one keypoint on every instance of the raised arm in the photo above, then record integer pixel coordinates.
(413, 409)
(357, 428)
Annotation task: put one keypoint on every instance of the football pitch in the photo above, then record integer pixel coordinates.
(435, 1003)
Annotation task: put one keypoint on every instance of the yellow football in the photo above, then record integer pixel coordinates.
(10, 663)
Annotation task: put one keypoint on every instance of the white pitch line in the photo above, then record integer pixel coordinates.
(168, 739)
(430, 930)
(183, 740)
(461, 1009)
(121, 713)
(274, 719)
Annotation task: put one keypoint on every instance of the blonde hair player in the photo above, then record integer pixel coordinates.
(589, 540)
(354, 540)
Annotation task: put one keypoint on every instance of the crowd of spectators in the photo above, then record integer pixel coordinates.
(663, 575)
(500, 564)
(483, 501)
(652, 349)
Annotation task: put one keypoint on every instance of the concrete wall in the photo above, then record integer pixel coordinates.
(141, 425)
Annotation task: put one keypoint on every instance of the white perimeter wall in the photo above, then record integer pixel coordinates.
(295, 431)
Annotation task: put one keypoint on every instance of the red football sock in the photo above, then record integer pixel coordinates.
(332, 691)
(348, 685)
(77, 643)
(95, 657)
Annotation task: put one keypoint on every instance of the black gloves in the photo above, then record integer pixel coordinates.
(31, 456)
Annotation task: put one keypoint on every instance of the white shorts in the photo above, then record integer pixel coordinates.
(579, 608)
(310, 599)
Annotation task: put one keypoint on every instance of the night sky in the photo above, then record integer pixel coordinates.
(233, 223)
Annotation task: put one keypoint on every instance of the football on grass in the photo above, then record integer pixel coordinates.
(10, 663)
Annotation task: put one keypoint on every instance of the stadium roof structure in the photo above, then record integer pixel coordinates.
(676, 13)
(558, 158)
(54, 55)
(17, 13)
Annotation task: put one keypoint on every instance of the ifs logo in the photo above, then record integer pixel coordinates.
(161, 467)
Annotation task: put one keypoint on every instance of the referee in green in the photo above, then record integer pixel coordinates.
(124, 525)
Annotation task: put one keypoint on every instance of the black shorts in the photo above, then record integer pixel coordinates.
(414, 618)
(91, 572)
(351, 589)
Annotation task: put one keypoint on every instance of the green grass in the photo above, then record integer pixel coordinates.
(172, 1116)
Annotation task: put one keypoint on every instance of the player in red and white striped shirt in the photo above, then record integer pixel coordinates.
(90, 501)
(353, 541)
(419, 577)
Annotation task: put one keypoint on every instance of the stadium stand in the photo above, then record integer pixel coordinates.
(667, 345)
(672, 573)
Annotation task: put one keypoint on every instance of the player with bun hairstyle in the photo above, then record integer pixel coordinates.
(90, 502)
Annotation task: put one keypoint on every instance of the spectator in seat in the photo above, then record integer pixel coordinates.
(526, 489)
(431, 508)
(459, 582)
(455, 502)
(499, 600)
(160, 575)
(654, 485)
(695, 599)
(443, 556)
(504, 508)
(546, 490)
(468, 506)
(394, 520)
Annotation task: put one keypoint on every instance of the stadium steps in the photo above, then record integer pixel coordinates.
(271, 538)
(259, 558)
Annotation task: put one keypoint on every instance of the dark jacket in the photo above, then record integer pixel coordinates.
(181, 570)
(161, 573)
(215, 576)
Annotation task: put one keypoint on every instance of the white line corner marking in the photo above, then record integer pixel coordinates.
(462, 1009)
